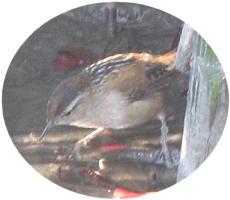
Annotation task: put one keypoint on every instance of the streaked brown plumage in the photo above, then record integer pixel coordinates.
(120, 91)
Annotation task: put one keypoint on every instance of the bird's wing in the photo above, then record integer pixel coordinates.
(140, 76)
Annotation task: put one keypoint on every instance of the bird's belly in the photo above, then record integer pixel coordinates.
(116, 113)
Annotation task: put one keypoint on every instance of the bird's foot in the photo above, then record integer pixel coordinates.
(76, 152)
(164, 154)
(84, 141)
(165, 158)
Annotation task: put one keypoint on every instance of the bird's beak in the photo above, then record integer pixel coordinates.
(48, 126)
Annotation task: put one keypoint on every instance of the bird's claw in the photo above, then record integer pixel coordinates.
(76, 152)
(165, 158)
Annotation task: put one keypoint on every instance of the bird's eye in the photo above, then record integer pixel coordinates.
(67, 113)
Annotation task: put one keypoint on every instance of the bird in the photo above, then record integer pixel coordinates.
(118, 92)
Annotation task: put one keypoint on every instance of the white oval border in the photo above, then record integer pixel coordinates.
(18, 21)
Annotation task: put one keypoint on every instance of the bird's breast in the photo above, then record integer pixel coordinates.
(117, 112)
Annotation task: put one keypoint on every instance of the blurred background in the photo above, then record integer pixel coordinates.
(63, 47)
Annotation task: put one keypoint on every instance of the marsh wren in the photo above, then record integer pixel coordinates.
(118, 92)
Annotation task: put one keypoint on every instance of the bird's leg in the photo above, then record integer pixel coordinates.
(165, 151)
(77, 148)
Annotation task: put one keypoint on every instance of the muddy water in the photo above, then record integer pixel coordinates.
(31, 78)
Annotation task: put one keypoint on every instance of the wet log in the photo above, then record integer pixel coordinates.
(207, 101)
